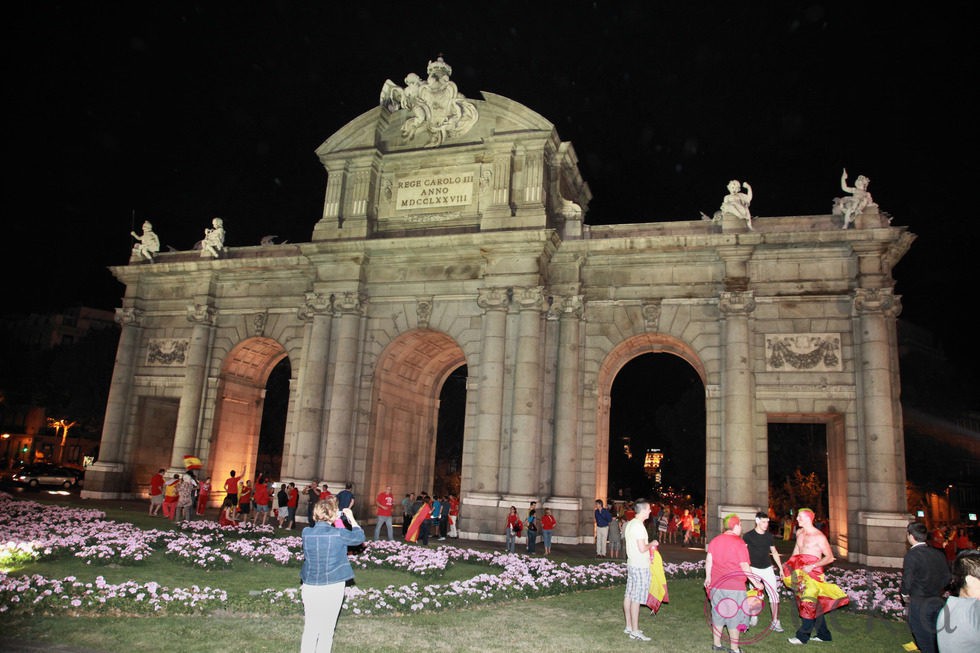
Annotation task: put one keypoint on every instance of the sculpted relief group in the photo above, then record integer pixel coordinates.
(454, 233)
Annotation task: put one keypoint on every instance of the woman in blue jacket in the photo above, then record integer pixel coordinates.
(325, 572)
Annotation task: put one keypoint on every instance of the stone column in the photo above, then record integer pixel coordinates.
(338, 449)
(486, 463)
(192, 391)
(526, 421)
(103, 480)
(568, 392)
(884, 518)
(304, 452)
(738, 452)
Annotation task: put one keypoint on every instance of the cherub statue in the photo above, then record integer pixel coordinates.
(737, 203)
(859, 199)
(149, 242)
(214, 239)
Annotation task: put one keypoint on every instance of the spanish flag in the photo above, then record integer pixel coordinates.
(192, 462)
(658, 583)
(413, 528)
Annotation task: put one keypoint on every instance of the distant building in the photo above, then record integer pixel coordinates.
(49, 330)
(25, 431)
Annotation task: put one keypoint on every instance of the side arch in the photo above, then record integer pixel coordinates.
(624, 352)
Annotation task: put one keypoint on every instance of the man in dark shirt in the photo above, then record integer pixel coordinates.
(925, 575)
(761, 547)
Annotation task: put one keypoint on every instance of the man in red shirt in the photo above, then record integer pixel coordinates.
(261, 502)
(292, 504)
(156, 492)
(231, 488)
(453, 515)
(385, 503)
(727, 568)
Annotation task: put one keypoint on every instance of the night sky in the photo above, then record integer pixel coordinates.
(176, 112)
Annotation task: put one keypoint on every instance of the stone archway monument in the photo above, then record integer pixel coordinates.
(453, 233)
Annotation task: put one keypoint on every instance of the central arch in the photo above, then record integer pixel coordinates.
(644, 343)
(405, 406)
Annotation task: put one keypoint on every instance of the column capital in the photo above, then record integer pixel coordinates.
(201, 314)
(348, 302)
(530, 298)
(877, 300)
(566, 306)
(129, 316)
(494, 299)
(315, 303)
(736, 303)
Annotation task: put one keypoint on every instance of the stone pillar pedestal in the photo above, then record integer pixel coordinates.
(105, 479)
(486, 471)
(192, 391)
(883, 535)
(567, 393)
(304, 452)
(526, 422)
(739, 454)
(338, 450)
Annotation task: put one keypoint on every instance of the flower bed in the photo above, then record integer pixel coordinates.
(31, 531)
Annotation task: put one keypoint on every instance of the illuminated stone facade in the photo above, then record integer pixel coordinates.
(469, 247)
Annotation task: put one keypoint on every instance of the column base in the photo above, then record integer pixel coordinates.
(883, 539)
(103, 480)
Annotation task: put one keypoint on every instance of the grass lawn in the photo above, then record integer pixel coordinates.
(588, 621)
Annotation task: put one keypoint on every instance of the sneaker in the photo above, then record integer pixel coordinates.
(441, 539)
(719, 648)
(817, 639)
(627, 631)
(795, 640)
(638, 634)
(777, 627)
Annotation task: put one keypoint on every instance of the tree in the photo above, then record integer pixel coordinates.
(798, 490)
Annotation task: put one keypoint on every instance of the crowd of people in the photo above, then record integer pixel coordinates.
(743, 568)
(184, 497)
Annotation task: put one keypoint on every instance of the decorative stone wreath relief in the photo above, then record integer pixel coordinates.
(803, 352)
(167, 352)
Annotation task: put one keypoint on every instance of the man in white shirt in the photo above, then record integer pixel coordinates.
(638, 569)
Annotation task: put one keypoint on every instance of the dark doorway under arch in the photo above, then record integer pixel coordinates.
(449, 433)
(272, 432)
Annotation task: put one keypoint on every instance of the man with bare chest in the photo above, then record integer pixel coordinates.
(814, 595)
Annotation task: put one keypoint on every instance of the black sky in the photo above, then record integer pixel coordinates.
(176, 112)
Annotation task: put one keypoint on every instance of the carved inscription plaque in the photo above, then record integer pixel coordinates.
(434, 190)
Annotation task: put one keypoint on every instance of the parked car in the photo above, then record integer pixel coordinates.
(46, 474)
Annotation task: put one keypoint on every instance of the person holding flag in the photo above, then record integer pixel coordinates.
(638, 570)
(803, 573)
(420, 521)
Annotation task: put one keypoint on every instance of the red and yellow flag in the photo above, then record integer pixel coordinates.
(192, 462)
